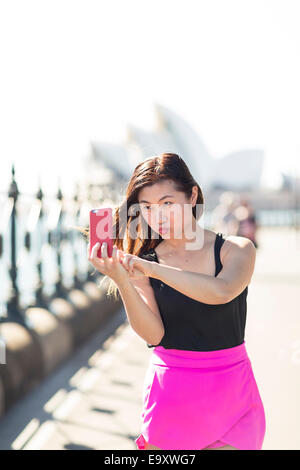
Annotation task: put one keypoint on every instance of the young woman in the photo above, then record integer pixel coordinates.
(184, 291)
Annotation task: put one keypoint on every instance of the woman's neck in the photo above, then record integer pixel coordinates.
(180, 245)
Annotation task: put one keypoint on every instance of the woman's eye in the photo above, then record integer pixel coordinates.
(149, 207)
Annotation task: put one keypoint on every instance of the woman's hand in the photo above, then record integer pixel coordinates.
(136, 266)
(108, 266)
(117, 266)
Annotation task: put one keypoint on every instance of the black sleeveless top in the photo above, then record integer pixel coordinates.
(196, 326)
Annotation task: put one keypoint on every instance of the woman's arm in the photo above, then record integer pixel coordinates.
(141, 309)
(143, 315)
(238, 266)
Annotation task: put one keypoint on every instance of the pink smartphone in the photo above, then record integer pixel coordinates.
(101, 229)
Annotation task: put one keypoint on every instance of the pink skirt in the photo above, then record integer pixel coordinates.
(199, 399)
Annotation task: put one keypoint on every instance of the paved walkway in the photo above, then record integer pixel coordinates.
(94, 400)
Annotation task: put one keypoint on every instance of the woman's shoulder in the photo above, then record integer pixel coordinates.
(237, 246)
(232, 241)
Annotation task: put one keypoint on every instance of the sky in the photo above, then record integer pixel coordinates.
(76, 71)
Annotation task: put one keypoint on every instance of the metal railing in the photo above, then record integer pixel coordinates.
(42, 255)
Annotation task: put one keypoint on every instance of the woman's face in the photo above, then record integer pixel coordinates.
(166, 210)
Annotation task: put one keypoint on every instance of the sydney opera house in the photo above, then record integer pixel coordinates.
(238, 171)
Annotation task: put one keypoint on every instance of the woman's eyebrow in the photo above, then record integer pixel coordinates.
(164, 197)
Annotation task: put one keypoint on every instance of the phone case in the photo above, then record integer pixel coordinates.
(101, 229)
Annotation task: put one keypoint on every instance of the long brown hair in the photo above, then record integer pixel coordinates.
(166, 166)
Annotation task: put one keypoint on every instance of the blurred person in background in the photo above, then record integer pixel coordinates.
(247, 222)
(223, 216)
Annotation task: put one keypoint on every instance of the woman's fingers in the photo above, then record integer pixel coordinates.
(130, 265)
(120, 256)
(95, 260)
(107, 265)
(125, 260)
(128, 262)
(114, 254)
(104, 250)
(94, 251)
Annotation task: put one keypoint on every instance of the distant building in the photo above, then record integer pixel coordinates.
(290, 182)
(239, 170)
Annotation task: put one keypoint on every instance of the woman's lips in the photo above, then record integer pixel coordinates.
(163, 230)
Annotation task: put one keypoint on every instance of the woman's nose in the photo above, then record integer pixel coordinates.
(162, 220)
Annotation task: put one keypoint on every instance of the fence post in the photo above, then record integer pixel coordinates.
(13, 306)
